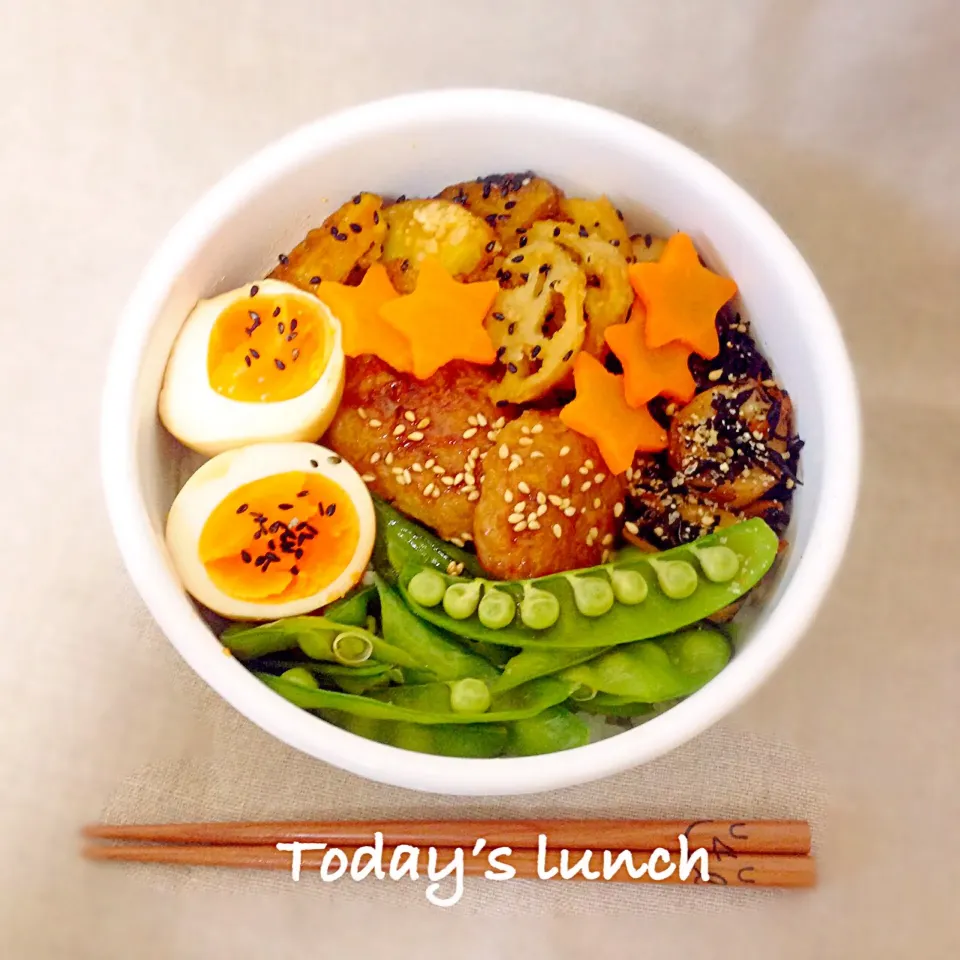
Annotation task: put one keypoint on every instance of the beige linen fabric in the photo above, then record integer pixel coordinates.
(839, 115)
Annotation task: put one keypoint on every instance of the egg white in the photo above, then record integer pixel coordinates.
(204, 420)
(223, 474)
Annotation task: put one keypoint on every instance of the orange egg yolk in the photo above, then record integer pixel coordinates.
(280, 538)
(267, 348)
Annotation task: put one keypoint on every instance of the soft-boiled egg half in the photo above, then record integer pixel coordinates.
(271, 530)
(262, 362)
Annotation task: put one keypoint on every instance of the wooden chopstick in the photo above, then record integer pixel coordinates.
(761, 870)
(720, 837)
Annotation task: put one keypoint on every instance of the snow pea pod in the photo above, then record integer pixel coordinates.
(471, 740)
(647, 601)
(429, 648)
(401, 541)
(351, 609)
(317, 637)
(652, 671)
(425, 703)
(557, 728)
(533, 662)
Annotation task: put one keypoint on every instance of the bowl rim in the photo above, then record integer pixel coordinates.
(141, 549)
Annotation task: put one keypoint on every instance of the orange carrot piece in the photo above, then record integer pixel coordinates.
(443, 319)
(681, 297)
(649, 372)
(364, 330)
(600, 411)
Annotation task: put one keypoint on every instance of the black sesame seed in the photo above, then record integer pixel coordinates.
(292, 336)
(491, 219)
(517, 259)
(254, 315)
(500, 352)
(254, 290)
(334, 232)
(524, 277)
(281, 327)
(254, 354)
(276, 312)
(648, 240)
(498, 316)
(503, 403)
(295, 570)
(271, 544)
(247, 361)
(284, 506)
(284, 259)
(335, 460)
(511, 328)
(510, 204)
(556, 231)
(298, 553)
(583, 231)
(355, 227)
(523, 241)
(313, 463)
(619, 214)
(404, 266)
(512, 367)
(304, 493)
(293, 324)
(273, 528)
(506, 275)
(615, 243)
(487, 187)
(243, 508)
(567, 356)
(314, 281)
(490, 246)
(544, 268)
(357, 198)
(331, 510)
(279, 364)
(294, 354)
(376, 217)
(535, 352)
(521, 230)
(245, 556)
(259, 561)
(341, 236)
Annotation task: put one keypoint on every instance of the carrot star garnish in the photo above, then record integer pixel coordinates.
(647, 371)
(364, 330)
(443, 319)
(600, 411)
(682, 297)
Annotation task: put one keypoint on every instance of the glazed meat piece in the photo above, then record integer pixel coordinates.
(419, 444)
(547, 501)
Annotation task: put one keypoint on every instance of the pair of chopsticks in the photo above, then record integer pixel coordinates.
(762, 853)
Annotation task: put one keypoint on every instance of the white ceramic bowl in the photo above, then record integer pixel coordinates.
(416, 144)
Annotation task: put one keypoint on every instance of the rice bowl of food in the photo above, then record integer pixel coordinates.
(480, 442)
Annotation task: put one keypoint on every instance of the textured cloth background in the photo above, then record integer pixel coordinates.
(839, 115)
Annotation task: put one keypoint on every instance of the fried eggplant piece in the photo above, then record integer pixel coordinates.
(463, 243)
(346, 243)
(419, 443)
(508, 202)
(547, 502)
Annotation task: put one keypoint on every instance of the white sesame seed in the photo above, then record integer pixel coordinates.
(531, 516)
(500, 422)
(599, 478)
(407, 477)
(472, 420)
(569, 511)
(466, 537)
(428, 489)
(481, 420)
(492, 435)
(557, 530)
(605, 556)
(361, 413)
(632, 527)
(375, 423)
(617, 509)
(458, 479)
(451, 567)
(473, 495)
(513, 465)
(508, 496)
(374, 457)
(585, 486)
(436, 493)
(533, 525)
(525, 430)
(583, 471)
(790, 483)
(429, 464)
(467, 434)
(523, 486)
(526, 441)
(541, 510)
(554, 500)
(521, 506)
(424, 423)
(520, 526)
(438, 470)
(474, 453)
(724, 467)
(565, 482)
(714, 375)
(564, 451)
(588, 463)
(396, 471)
(707, 521)
(504, 451)
(368, 478)
(409, 416)
(469, 480)
(399, 429)
(536, 454)
(447, 481)
(594, 532)
(537, 428)
(456, 541)
(596, 503)
(607, 540)
(658, 531)
(541, 498)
